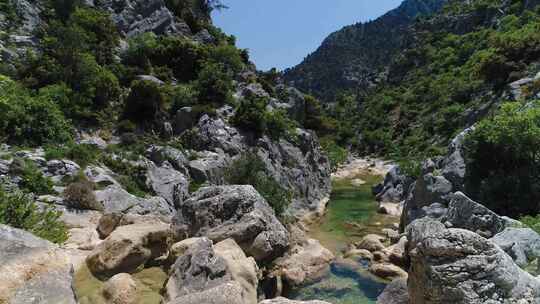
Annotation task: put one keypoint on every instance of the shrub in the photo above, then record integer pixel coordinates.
(279, 125)
(503, 163)
(80, 195)
(145, 102)
(131, 177)
(336, 154)
(183, 96)
(227, 55)
(82, 154)
(19, 211)
(250, 115)
(30, 120)
(532, 221)
(32, 180)
(251, 170)
(214, 85)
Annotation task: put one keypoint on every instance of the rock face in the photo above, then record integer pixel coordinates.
(395, 293)
(301, 168)
(394, 188)
(459, 266)
(33, 270)
(304, 263)
(467, 214)
(522, 244)
(237, 212)
(200, 272)
(128, 248)
(243, 269)
(115, 199)
(120, 289)
(168, 183)
(135, 17)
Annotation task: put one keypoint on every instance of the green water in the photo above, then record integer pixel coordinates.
(352, 214)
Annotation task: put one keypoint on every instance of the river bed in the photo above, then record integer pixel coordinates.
(351, 214)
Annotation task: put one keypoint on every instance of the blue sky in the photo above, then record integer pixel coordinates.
(280, 33)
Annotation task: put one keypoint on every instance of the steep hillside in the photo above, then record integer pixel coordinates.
(355, 57)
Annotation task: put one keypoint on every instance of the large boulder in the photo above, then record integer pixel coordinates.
(304, 263)
(208, 167)
(237, 212)
(450, 265)
(394, 188)
(176, 158)
(395, 293)
(522, 244)
(120, 289)
(167, 183)
(243, 269)
(33, 270)
(454, 166)
(467, 214)
(227, 293)
(128, 248)
(116, 199)
(197, 270)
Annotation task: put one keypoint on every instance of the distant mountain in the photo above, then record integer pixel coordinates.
(354, 57)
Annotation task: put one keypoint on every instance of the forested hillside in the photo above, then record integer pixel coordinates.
(355, 58)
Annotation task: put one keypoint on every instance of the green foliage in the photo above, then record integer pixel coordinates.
(442, 76)
(336, 154)
(30, 119)
(410, 167)
(73, 57)
(83, 154)
(503, 161)
(146, 102)
(32, 180)
(253, 116)
(80, 195)
(214, 84)
(250, 170)
(531, 221)
(131, 177)
(183, 95)
(19, 211)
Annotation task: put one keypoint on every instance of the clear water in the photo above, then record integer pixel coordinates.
(352, 214)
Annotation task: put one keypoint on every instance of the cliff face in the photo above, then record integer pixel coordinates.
(355, 57)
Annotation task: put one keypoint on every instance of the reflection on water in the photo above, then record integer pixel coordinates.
(347, 283)
(352, 214)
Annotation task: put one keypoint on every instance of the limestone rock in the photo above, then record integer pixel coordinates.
(395, 293)
(120, 289)
(237, 212)
(305, 263)
(197, 270)
(168, 183)
(522, 244)
(226, 293)
(467, 214)
(387, 271)
(33, 270)
(450, 265)
(243, 269)
(371, 242)
(115, 199)
(129, 247)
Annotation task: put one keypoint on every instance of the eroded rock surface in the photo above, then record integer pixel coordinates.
(459, 266)
(237, 212)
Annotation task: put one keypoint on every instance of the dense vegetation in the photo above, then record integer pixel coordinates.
(503, 154)
(250, 170)
(19, 210)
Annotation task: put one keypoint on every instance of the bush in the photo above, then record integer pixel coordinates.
(30, 120)
(146, 102)
(32, 180)
(80, 195)
(214, 85)
(19, 211)
(503, 163)
(336, 154)
(83, 154)
(183, 96)
(251, 170)
(532, 222)
(132, 178)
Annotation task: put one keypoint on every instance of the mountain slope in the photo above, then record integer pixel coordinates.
(355, 56)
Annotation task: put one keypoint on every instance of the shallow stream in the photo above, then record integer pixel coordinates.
(352, 214)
